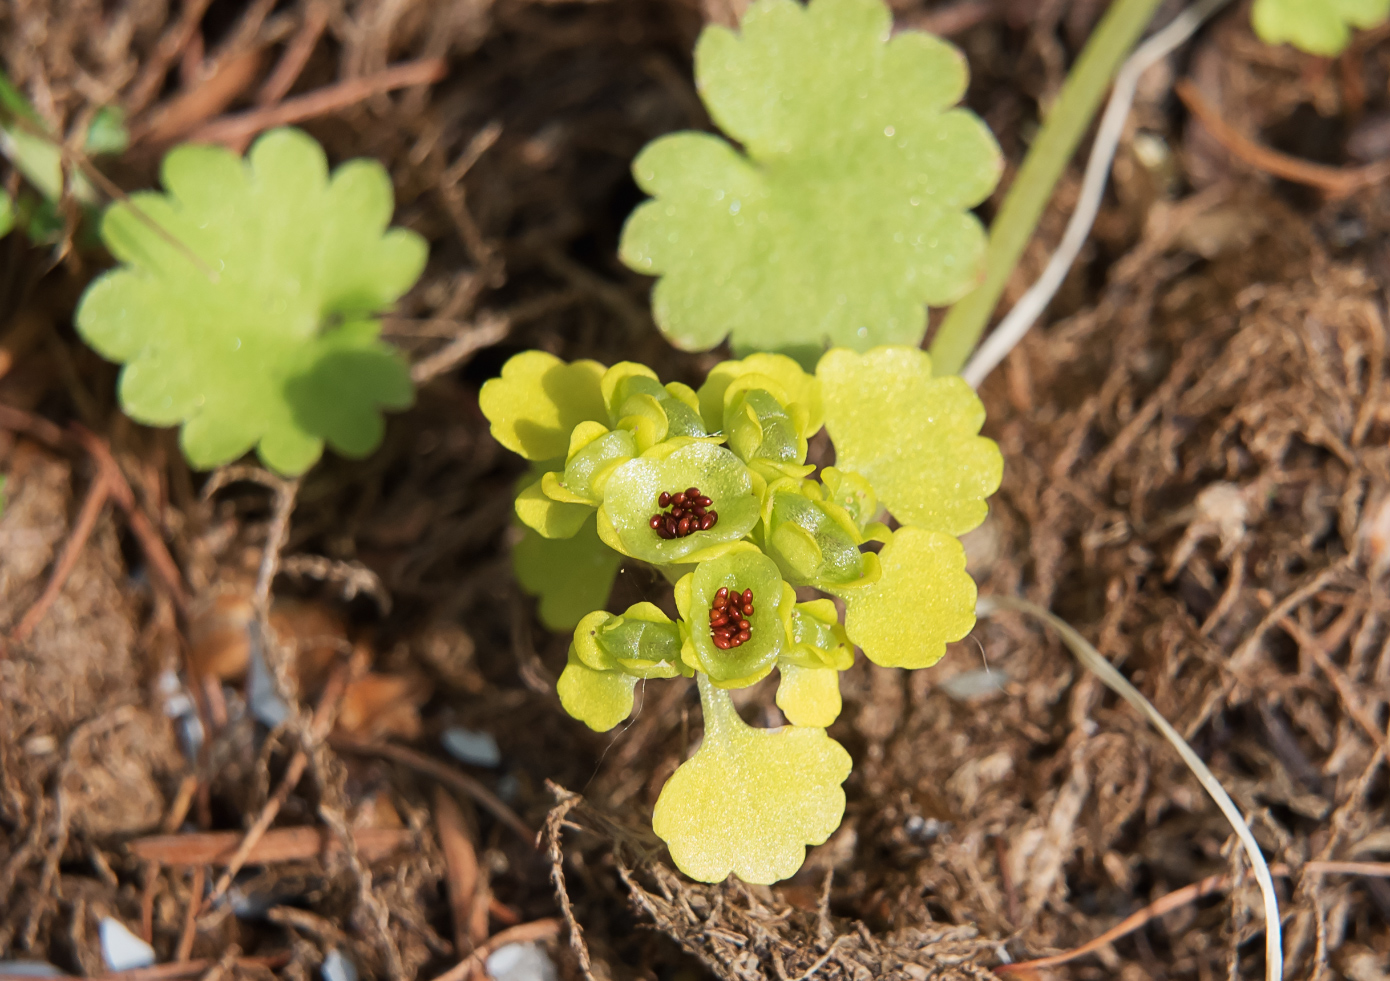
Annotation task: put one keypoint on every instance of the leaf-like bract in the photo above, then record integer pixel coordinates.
(1320, 27)
(850, 211)
(915, 437)
(924, 600)
(245, 305)
(751, 800)
(572, 576)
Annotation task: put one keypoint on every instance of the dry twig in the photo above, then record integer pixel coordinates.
(1336, 182)
(231, 130)
(442, 772)
(279, 845)
(525, 933)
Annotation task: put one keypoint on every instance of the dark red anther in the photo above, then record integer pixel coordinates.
(727, 628)
(688, 514)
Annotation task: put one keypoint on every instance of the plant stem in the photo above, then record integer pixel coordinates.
(1032, 188)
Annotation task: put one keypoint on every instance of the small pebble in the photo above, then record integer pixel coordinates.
(336, 967)
(473, 748)
(521, 962)
(974, 684)
(121, 949)
(30, 969)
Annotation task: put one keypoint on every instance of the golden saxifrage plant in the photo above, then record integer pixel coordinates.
(712, 488)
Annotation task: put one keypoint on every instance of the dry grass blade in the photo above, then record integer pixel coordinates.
(1116, 682)
(1027, 310)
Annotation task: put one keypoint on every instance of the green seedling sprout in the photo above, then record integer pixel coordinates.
(712, 488)
(847, 211)
(1319, 27)
(245, 307)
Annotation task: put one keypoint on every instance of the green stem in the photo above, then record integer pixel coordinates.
(1053, 148)
(721, 718)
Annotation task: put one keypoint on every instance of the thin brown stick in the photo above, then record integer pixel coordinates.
(1181, 897)
(1378, 870)
(1337, 182)
(151, 78)
(1319, 649)
(462, 873)
(279, 845)
(296, 56)
(207, 99)
(190, 923)
(140, 526)
(525, 933)
(35, 427)
(488, 331)
(1163, 905)
(82, 529)
(442, 772)
(178, 810)
(324, 715)
(333, 98)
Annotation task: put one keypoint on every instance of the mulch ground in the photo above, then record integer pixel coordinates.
(1197, 478)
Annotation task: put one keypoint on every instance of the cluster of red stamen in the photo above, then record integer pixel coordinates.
(688, 514)
(728, 618)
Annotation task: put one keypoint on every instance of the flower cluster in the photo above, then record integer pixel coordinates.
(652, 464)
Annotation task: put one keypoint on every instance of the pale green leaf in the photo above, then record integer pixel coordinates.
(599, 699)
(850, 212)
(924, 600)
(539, 400)
(809, 696)
(914, 437)
(572, 576)
(750, 800)
(251, 322)
(1320, 27)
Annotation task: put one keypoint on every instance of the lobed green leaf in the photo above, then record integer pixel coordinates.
(750, 800)
(1320, 27)
(251, 319)
(850, 211)
(914, 437)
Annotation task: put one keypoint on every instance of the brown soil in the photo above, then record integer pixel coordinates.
(1197, 478)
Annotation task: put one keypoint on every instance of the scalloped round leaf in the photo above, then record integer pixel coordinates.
(750, 800)
(851, 211)
(809, 696)
(539, 399)
(913, 436)
(1319, 27)
(924, 600)
(226, 325)
(599, 699)
(572, 576)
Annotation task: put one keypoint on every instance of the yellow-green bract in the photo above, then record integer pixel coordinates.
(1320, 27)
(245, 306)
(613, 447)
(850, 209)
